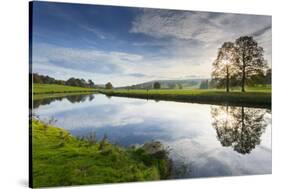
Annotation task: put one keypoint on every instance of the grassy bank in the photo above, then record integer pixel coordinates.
(41, 96)
(252, 98)
(60, 159)
(54, 88)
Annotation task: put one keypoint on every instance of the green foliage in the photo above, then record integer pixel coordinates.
(250, 58)
(156, 85)
(42, 79)
(160, 159)
(60, 159)
(240, 63)
(108, 86)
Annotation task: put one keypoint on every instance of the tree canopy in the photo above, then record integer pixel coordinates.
(108, 85)
(239, 63)
(251, 59)
(71, 81)
(224, 65)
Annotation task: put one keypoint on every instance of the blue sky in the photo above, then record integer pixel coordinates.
(133, 45)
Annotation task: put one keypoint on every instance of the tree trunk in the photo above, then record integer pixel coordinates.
(227, 79)
(243, 75)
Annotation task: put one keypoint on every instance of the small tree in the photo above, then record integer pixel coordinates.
(108, 86)
(91, 83)
(251, 59)
(156, 85)
(180, 86)
(268, 76)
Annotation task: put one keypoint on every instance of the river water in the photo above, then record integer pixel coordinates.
(204, 140)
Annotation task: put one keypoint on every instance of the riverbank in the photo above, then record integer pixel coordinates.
(60, 159)
(54, 88)
(260, 98)
(250, 99)
(42, 96)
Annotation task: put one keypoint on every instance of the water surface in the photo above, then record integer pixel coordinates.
(204, 140)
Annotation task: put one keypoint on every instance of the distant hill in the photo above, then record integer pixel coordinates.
(169, 84)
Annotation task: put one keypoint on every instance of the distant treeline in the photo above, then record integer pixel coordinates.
(42, 79)
(45, 79)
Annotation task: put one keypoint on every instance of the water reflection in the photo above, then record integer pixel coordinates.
(196, 133)
(71, 98)
(239, 127)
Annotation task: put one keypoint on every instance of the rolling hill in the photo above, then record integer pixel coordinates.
(168, 84)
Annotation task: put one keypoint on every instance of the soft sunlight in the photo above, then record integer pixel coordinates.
(138, 45)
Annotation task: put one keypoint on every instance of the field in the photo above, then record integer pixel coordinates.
(260, 97)
(60, 159)
(53, 88)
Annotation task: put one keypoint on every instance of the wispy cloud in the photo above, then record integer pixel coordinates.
(202, 26)
(132, 45)
(83, 59)
(197, 35)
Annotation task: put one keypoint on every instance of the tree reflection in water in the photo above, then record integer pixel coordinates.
(71, 98)
(239, 127)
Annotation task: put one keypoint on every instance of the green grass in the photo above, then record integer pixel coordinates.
(41, 96)
(60, 159)
(54, 88)
(254, 97)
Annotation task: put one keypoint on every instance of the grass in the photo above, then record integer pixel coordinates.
(253, 97)
(41, 96)
(60, 159)
(54, 88)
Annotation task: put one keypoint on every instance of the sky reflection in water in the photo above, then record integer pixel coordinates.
(210, 140)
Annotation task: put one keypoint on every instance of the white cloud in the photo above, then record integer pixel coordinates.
(82, 59)
(203, 26)
(187, 44)
(120, 68)
(210, 30)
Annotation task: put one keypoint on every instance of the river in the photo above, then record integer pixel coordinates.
(204, 140)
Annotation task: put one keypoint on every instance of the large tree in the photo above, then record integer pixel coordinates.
(224, 65)
(251, 59)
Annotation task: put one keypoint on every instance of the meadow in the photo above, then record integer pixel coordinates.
(55, 88)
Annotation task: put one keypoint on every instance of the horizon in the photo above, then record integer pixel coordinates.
(128, 45)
